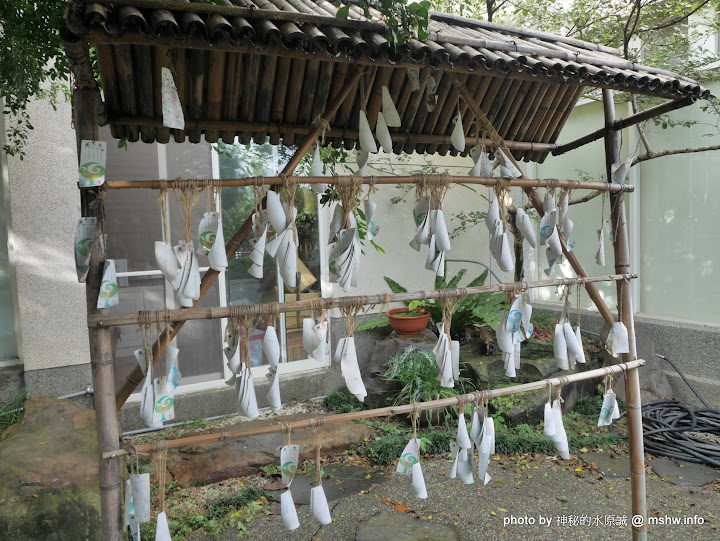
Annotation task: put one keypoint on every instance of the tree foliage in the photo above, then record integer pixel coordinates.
(32, 62)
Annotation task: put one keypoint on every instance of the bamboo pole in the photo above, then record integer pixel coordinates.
(188, 314)
(235, 242)
(278, 128)
(476, 396)
(101, 356)
(592, 291)
(623, 123)
(632, 381)
(401, 179)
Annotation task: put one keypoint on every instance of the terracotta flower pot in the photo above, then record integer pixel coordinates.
(408, 324)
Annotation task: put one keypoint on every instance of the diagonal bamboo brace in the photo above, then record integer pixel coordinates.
(135, 378)
(592, 291)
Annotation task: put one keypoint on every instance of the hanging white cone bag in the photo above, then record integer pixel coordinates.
(128, 511)
(600, 255)
(608, 409)
(549, 420)
(162, 531)
(560, 348)
(319, 505)
(547, 227)
(442, 239)
(578, 337)
(140, 483)
(218, 257)
(164, 407)
(455, 356)
(316, 169)
(505, 261)
(464, 467)
(573, 348)
(351, 371)
(311, 340)
(367, 141)
(512, 171)
(392, 118)
(288, 511)
(108, 295)
(289, 456)
(84, 238)
(493, 215)
(457, 138)
(418, 482)
(247, 402)
(207, 232)
(560, 438)
(172, 112)
(526, 227)
(409, 457)
(275, 212)
(462, 437)
(383, 134)
(617, 340)
(171, 362)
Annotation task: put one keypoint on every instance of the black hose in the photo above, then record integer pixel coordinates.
(666, 424)
(684, 379)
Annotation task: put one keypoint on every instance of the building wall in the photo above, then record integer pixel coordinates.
(43, 209)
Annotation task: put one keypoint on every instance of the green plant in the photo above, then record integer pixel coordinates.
(403, 20)
(343, 401)
(417, 372)
(12, 412)
(474, 310)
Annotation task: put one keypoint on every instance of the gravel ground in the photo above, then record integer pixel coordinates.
(575, 502)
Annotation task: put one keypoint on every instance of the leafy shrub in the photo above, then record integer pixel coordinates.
(343, 401)
(417, 371)
(222, 506)
(386, 449)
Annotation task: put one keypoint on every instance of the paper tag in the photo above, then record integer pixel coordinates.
(93, 155)
(289, 455)
(108, 295)
(608, 409)
(84, 239)
(409, 456)
(171, 108)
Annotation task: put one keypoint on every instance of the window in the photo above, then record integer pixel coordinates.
(8, 343)
(238, 204)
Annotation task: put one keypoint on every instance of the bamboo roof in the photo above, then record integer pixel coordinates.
(267, 68)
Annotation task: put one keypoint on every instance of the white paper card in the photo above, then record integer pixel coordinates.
(93, 155)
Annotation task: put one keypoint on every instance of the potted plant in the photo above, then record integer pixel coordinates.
(406, 321)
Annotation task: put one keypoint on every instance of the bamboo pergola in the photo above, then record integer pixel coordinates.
(290, 70)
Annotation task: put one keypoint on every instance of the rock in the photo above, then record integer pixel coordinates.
(377, 388)
(682, 473)
(488, 372)
(654, 384)
(216, 461)
(49, 473)
(402, 527)
(609, 464)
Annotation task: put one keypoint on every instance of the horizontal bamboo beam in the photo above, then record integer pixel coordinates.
(623, 123)
(341, 133)
(473, 397)
(219, 312)
(401, 179)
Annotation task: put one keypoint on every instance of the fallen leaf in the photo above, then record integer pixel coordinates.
(401, 507)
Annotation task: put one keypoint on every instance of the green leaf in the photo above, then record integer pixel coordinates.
(394, 286)
(479, 281)
(343, 12)
(455, 280)
(374, 323)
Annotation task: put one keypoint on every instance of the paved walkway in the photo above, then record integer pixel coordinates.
(526, 499)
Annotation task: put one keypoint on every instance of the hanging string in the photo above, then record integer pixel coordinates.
(322, 123)
(438, 187)
(273, 315)
(159, 460)
(163, 202)
(187, 197)
(447, 307)
(349, 189)
(577, 300)
(502, 190)
(414, 416)
(316, 307)
(350, 310)
(319, 424)
(372, 189)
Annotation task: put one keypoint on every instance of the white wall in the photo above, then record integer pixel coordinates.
(44, 206)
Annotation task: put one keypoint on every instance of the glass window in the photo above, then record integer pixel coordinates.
(238, 204)
(8, 343)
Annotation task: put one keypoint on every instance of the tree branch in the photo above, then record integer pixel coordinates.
(676, 20)
(652, 155)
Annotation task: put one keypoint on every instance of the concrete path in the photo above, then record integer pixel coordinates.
(530, 499)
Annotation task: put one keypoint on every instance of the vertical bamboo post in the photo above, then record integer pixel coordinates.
(632, 378)
(101, 357)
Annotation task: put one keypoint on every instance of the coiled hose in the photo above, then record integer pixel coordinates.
(666, 424)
